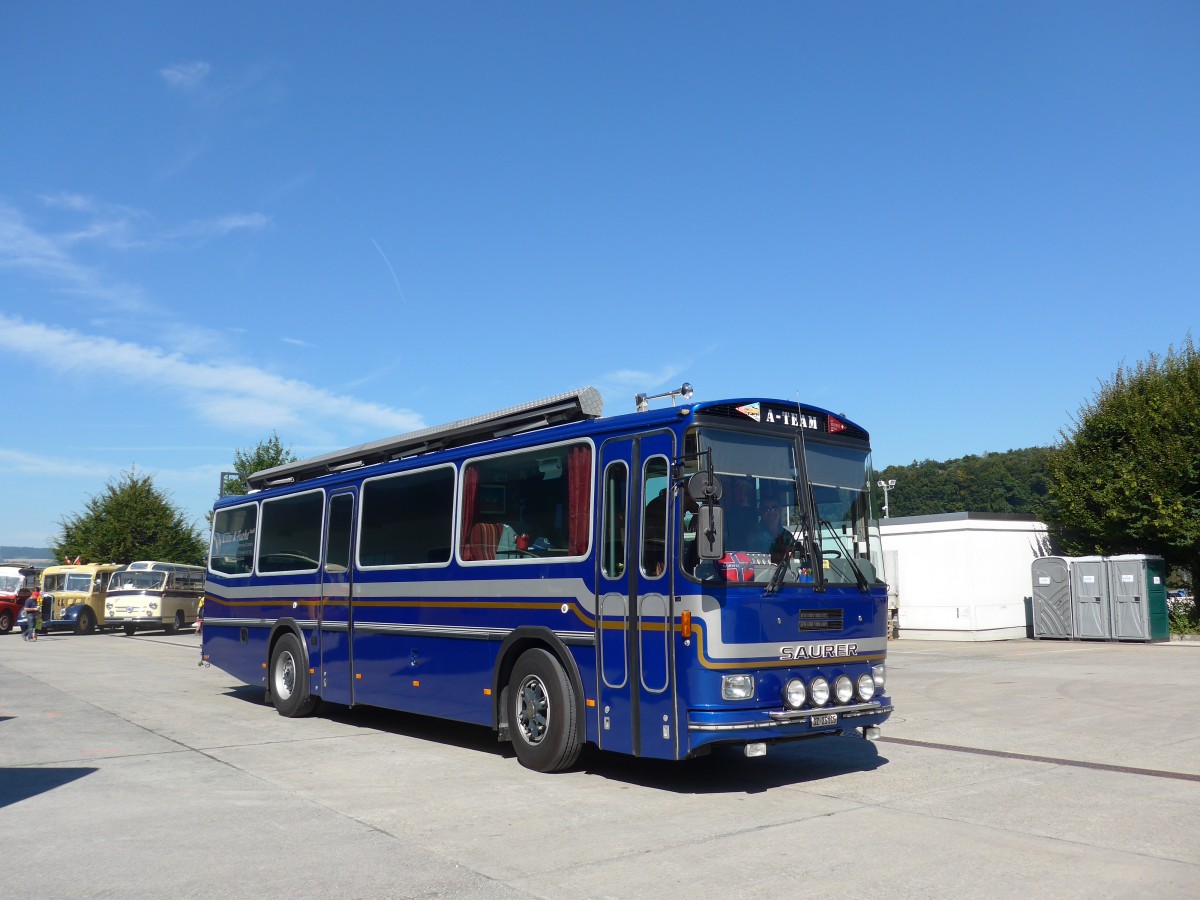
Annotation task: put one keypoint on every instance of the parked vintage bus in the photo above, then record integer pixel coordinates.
(17, 582)
(565, 578)
(154, 595)
(73, 596)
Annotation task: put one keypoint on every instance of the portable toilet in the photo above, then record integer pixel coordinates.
(1051, 597)
(1090, 598)
(1138, 599)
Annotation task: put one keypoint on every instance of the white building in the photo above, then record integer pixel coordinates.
(961, 576)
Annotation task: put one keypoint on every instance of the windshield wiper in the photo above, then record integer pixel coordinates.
(858, 575)
(808, 529)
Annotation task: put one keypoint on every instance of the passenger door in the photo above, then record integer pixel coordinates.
(635, 621)
(334, 657)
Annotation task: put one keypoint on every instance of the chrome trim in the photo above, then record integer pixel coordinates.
(791, 715)
(573, 638)
(788, 717)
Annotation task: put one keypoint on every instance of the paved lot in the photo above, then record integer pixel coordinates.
(1010, 769)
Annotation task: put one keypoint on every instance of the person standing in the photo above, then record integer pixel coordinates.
(33, 605)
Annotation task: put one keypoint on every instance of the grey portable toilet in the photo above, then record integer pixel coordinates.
(1139, 598)
(1051, 597)
(1090, 598)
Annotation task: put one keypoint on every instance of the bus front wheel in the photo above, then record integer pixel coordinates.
(542, 717)
(86, 623)
(289, 679)
(131, 630)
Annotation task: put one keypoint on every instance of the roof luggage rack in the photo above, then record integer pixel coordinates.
(574, 406)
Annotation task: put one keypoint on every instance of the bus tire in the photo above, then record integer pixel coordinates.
(289, 678)
(175, 625)
(542, 718)
(86, 623)
(131, 630)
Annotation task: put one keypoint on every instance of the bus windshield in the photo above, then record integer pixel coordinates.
(762, 511)
(78, 581)
(137, 581)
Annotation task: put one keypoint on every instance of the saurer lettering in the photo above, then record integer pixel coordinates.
(818, 651)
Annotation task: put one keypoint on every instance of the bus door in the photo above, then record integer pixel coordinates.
(634, 622)
(334, 657)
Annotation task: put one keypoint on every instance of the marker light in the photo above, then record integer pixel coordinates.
(685, 624)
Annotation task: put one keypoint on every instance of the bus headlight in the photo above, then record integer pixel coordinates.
(819, 690)
(879, 673)
(843, 689)
(866, 686)
(794, 694)
(737, 687)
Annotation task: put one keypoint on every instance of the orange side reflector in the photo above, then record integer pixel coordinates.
(264, 665)
(416, 684)
(312, 671)
(358, 676)
(487, 692)
(591, 702)
(685, 624)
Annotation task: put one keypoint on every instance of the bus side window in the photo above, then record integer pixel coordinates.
(616, 498)
(654, 518)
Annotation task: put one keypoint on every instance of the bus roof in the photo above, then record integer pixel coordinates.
(573, 406)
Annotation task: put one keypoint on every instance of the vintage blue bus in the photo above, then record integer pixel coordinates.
(654, 583)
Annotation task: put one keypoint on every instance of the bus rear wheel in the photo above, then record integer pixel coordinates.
(289, 679)
(542, 716)
(86, 623)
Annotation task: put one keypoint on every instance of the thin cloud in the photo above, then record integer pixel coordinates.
(204, 229)
(185, 76)
(295, 342)
(224, 394)
(33, 464)
(45, 257)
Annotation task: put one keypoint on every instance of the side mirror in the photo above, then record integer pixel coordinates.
(704, 487)
(710, 531)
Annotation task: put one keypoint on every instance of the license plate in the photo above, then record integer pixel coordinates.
(827, 719)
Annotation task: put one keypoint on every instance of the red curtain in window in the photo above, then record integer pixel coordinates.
(470, 488)
(579, 470)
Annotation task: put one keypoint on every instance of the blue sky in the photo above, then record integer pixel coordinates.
(948, 221)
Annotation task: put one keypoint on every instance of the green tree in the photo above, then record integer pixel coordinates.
(131, 519)
(1016, 481)
(267, 454)
(1126, 476)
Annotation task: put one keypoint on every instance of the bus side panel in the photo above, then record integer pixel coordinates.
(224, 647)
(436, 676)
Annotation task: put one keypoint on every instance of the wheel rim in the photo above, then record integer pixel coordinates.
(533, 709)
(178, 620)
(285, 675)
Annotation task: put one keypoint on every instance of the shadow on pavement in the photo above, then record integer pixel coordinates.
(725, 770)
(17, 784)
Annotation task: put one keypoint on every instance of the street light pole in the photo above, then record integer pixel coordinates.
(887, 486)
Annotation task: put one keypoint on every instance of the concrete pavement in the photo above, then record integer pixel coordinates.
(1009, 769)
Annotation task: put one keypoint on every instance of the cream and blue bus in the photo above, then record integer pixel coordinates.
(159, 596)
(655, 583)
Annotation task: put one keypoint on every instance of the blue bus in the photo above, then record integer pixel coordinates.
(654, 583)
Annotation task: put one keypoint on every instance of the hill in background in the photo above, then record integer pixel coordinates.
(25, 554)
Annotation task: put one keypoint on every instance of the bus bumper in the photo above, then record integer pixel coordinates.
(707, 728)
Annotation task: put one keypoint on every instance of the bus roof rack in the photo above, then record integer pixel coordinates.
(573, 406)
